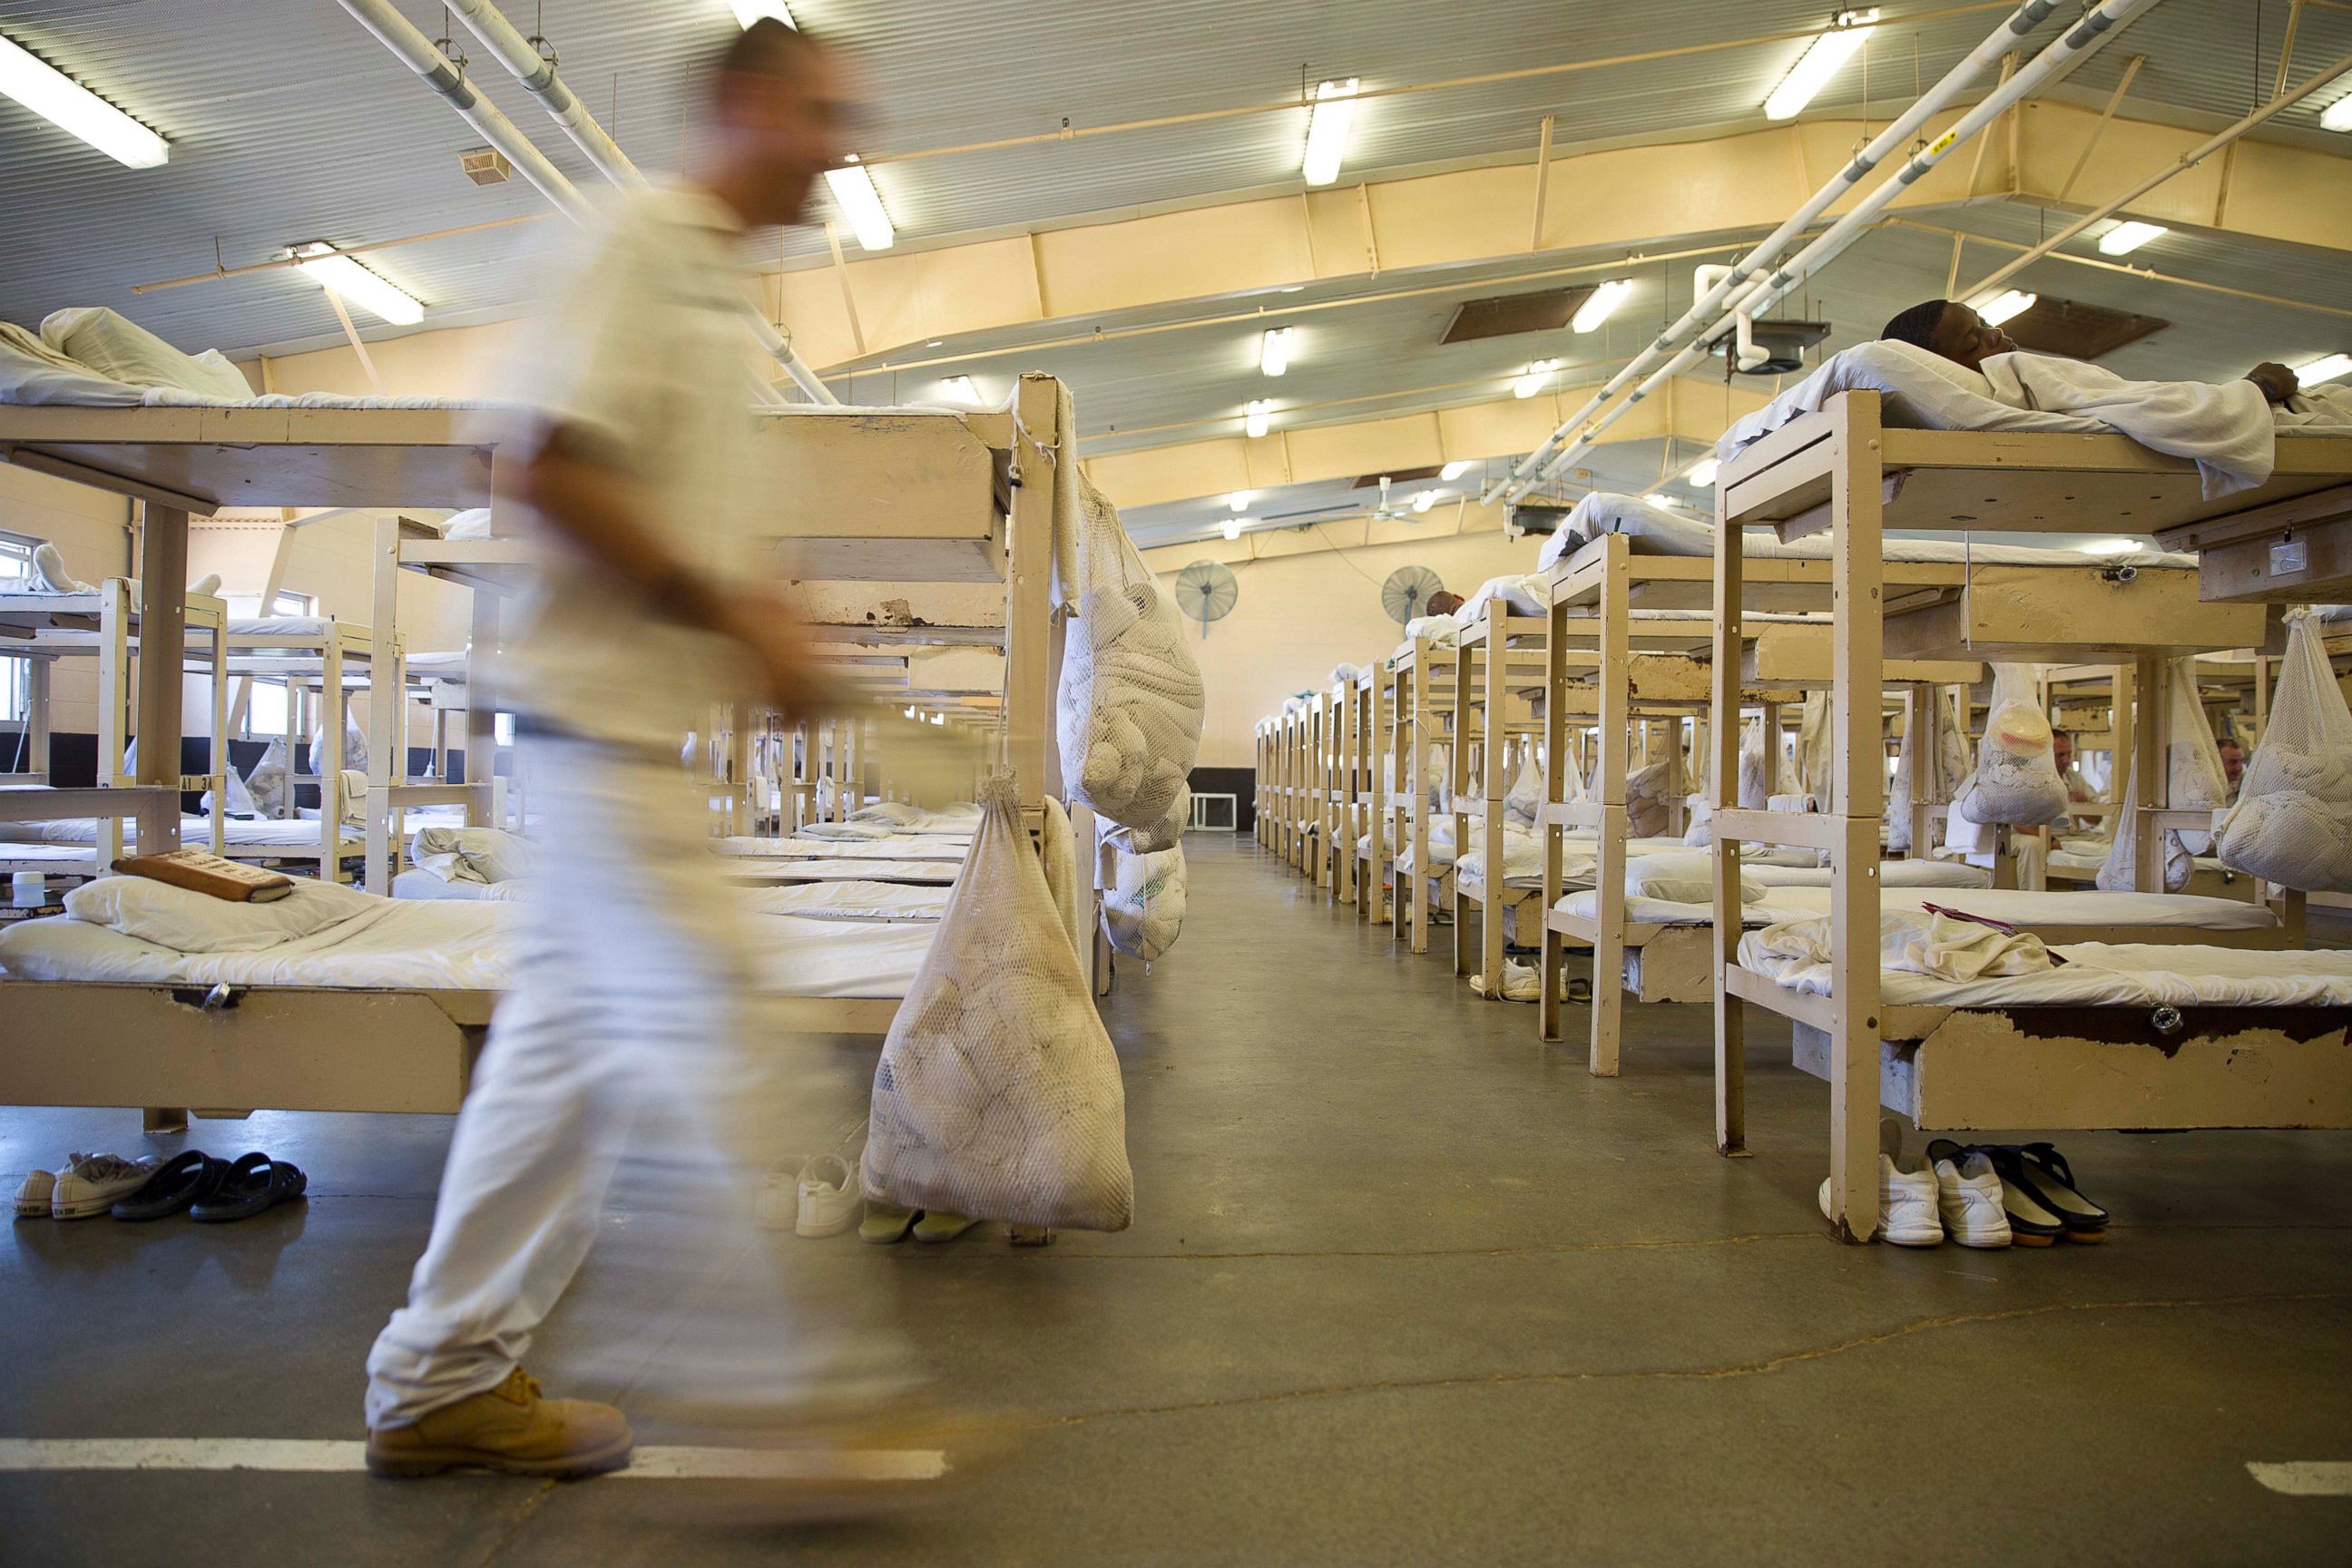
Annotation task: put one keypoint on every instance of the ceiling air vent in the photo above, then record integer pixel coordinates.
(485, 165)
(1506, 315)
(2069, 327)
(1395, 475)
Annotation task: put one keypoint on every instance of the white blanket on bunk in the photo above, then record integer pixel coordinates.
(931, 846)
(2043, 910)
(2121, 974)
(2227, 429)
(1653, 531)
(767, 871)
(852, 900)
(453, 946)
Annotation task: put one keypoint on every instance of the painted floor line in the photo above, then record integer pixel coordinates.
(296, 1456)
(2304, 1477)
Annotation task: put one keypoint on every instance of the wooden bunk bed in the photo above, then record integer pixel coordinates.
(920, 498)
(1844, 471)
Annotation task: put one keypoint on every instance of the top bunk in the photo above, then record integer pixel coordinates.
(2038, 443)
(1943, 598)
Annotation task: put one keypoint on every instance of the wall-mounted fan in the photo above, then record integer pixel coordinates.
(1207, 591)
(1406, 593)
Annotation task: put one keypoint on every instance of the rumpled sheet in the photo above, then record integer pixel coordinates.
(2120, 975)
(2228, 430)
(1909, 942)
(2011, 905)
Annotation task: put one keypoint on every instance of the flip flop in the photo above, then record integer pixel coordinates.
(2052, 1181)
(188, 1179)
(254, 1183)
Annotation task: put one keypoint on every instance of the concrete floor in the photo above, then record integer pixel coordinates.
(1404, 1286)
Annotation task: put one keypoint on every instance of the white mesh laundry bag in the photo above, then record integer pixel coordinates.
(2194, 778)
(1945, 745)
(355, 747)
(998, 1094)
(268, 780)
(1165, 834)
(1436, 776)
(239, 801)
(2117, 873)
(1058, 851)
(1143, 909)
(1816, 750)
(1755, 779)
(1526, 795)
(1131, 704)
(2015, 781)
(2293, 822)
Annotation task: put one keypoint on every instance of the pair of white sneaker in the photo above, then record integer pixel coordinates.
(89, 1186)
(1920, 1206)
(815, 1198)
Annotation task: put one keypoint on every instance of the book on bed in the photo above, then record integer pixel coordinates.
(200, 872)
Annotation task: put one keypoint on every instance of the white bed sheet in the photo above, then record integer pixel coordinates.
(1945, 874)
(453, 946)
(770, 872)
(852, 900)
(2042, 911)
(263, 833)
(932, 846)
(2129, 975)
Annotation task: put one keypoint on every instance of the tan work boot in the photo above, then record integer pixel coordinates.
(507, 1428)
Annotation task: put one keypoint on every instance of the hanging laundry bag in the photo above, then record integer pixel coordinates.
(1143, 909)
(2194, 778)
(998, 1095)
(2016, 780)
(2118, 873)
(2293, 822)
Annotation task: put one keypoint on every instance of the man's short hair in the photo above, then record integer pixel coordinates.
(766, 48)
(1916, 325)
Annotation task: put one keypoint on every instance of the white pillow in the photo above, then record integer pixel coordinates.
(1682, 879)
(189, 921)
(33, 372)
(112, 345)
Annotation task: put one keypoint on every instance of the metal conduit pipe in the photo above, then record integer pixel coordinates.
(416, 51)
(2092, 32)
(1986, 55)
(538, 77)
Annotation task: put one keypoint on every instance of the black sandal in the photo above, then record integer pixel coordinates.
(254, 1183)
(2031, 1222)
(187, 1179)
(2049, 1177)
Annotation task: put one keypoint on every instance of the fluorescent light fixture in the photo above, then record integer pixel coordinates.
(2111, 547)
(1326, 130)
(1600, 304)
(2007, 305)
(1453, 470)
(960, 389)
(1821, 61)
(1660, 498)
(2326, 368)
(69, 106)
(2338, 115)
(1273, 351)
(1701, 473)
(1537, 375)
(355, 285)
(1238, 501)
(853, 193)
(1425, 501)
(750, 11)
(2129, 235)
(1256, 415)
(1232, 528)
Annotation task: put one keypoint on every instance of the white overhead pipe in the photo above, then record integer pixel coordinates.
(416, 51)
(396, 33)
(2090, 31)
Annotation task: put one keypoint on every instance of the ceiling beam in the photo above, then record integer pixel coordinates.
(1189, 470)
(1629, 197)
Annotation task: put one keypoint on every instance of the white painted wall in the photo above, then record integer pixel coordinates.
(1300, 615)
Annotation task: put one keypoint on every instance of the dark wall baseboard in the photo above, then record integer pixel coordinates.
(1239, 783)
(73, 761)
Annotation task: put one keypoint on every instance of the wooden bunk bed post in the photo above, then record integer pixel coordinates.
(162, 644)
(1551, 959)
(1858, 639)
(1616, 675)
(114, 700)
(1469, 726)
(1497, 700)
(1028, 631)
(1722, 795)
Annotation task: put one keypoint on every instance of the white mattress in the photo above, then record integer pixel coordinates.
(767, 872)
(2118, 975)
(452, 946)
(246, 834)
(414, 883)
(852, 900)
(932, 846)
(2042, 911)
(1653, 531)
(1891, 874)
